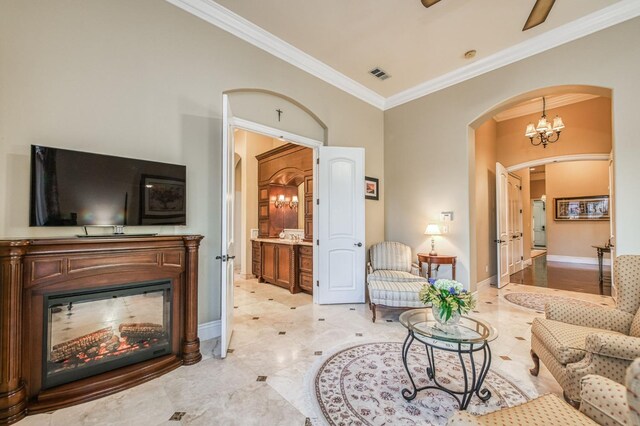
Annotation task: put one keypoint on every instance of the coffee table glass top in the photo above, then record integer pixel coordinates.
(468, 330)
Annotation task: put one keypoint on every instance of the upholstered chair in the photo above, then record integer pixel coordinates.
(604, 402)
(575, 340)
(393, 280)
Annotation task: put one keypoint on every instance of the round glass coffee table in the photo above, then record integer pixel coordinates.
(465, 339)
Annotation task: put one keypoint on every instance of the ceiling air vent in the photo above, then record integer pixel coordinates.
(379, 73)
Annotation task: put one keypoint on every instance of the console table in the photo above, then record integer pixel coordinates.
(601, 251)
(437, 260)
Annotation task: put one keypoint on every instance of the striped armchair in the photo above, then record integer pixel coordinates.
(576, 340)
(393, 280)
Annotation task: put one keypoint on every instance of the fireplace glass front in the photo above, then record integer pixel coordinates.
(89, 333)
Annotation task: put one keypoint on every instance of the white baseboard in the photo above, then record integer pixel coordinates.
(487, 282)
(210, 330)
(576, 259)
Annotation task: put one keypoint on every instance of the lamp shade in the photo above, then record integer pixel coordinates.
(432, 229)
(294, 198)
(542, 125)
(281, 197)
(531, 131)
(558, 124)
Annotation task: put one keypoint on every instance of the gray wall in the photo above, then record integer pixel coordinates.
(144, 79)
(429, 154)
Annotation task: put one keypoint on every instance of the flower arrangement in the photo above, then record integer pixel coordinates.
(448, 296)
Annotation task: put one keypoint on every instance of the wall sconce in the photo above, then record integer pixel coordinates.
(293, 204)
(279, 202)
(432, 229)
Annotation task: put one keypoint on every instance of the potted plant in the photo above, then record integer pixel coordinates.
(448, 300)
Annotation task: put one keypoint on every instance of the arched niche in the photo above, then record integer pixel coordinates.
(277, 111)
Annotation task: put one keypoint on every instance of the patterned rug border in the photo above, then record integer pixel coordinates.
(311, 375)
(549, 296)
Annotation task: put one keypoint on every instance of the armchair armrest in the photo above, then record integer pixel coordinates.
(603, 400)
(589, 316)
(613, 346)
(369, 268)
(415, 269)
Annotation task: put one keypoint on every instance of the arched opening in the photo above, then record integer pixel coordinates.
(578, 164)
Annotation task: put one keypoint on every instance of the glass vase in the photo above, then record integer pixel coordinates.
(440, 315)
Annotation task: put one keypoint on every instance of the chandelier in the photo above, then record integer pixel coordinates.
(544, 131)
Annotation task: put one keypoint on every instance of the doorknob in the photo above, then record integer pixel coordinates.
(499, 241)
(357, 244)
(223, 257)
(230, 257)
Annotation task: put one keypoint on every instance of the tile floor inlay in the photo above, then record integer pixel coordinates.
(215, 391)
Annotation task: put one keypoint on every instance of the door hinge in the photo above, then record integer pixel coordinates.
(318, 160)
(317, 201)
(317, 242)
(317, 283)
(520, 210)
(521, 257)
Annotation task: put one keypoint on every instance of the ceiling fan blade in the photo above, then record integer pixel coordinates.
(428, 3)
(539, 13)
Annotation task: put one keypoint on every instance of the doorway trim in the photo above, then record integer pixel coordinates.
(252, 126)
(559, 159)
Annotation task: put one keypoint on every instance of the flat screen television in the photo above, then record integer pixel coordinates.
(73, 188)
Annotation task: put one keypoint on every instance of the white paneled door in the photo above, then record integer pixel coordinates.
(502, 224)
(227, 252)
(341, 236)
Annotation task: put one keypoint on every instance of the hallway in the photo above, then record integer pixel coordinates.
(562, 276)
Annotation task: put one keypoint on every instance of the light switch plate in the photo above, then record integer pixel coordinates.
(446, 216)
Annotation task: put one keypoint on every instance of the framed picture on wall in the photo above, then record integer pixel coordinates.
(371, 188)
(163, 200)
(582, 208)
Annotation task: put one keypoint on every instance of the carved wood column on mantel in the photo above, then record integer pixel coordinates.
(191, 345)
(13, 394)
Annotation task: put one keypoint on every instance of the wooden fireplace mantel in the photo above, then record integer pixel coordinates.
(32, 268)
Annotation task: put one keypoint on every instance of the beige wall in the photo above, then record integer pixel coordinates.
(538, 189)
(430, 162)
(588, 131)
(486, 199)
(145, 79)
(575, 179)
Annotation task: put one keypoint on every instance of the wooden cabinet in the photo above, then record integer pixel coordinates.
(256, 256)
(305, 268)
(286, 265)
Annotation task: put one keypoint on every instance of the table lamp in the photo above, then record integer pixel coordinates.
(432, 229)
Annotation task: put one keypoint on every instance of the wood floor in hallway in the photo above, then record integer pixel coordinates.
(562, 276)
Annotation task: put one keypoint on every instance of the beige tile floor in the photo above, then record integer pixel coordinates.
(280, 336)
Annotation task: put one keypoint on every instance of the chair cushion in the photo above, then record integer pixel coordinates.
(566, 342)
(398, 294)
(635, 326)
(633, 391)
(548, 410)
(396, 276)
(391, 256)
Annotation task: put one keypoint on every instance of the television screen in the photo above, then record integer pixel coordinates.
(72, 188)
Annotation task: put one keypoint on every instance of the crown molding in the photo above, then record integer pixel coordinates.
(223, 18)
(535, 106)
(589, 24)
(246, 30)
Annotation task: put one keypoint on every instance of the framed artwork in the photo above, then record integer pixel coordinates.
(163, 198)
(371, 188)
(582, 208)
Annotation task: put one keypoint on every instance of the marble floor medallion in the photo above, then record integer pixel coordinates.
(537, 302)
(362, 385)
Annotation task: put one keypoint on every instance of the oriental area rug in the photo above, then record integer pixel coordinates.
(362, 385)
(537, 302)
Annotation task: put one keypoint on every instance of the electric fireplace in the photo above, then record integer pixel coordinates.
(87, 333)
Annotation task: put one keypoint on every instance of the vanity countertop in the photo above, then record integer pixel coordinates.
(283, 241)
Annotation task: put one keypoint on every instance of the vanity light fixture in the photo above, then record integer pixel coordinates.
(293, 204)
(279, 202)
